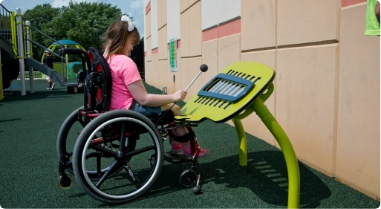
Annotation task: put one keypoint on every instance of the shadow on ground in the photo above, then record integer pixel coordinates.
(265, 176)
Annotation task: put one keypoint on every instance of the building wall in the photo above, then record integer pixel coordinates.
(327, 95)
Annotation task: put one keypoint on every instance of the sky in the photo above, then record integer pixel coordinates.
(133, 8)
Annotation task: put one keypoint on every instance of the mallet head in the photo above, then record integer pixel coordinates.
(204, 68)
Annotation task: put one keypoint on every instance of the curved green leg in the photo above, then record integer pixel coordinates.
(287, 149)
(241, 140)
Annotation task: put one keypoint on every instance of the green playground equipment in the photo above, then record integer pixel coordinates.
(239, 90)
(71, 65)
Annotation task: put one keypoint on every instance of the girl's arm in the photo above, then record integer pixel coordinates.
(141, 96)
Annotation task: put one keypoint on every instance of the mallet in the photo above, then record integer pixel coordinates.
(203, 68)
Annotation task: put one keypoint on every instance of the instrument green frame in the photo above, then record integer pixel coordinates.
(216, 109)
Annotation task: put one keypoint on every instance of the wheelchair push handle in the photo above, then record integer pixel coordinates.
(203, 68)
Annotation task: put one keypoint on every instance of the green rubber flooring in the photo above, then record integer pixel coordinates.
(29, 165)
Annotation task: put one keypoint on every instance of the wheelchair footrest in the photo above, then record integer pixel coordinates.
(176, 158)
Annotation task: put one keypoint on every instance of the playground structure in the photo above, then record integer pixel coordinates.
(70, 66)
(74, 66)
(16, 53)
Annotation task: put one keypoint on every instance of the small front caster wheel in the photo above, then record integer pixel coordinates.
(188, 179)
(65, 182)
(197, 189)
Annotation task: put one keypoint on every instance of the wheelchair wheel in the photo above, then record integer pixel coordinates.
(67, 136)
(65, 182)
(188, 178)
(135, 156)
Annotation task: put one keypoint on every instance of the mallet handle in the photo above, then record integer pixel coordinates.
(199, 73)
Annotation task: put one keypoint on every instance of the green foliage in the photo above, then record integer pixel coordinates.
(82, 22)
(38, 17)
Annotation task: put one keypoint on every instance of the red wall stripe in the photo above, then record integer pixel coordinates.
(230, 28)
(210, 34)
(155, 50)
(148, 7)
(345, 3)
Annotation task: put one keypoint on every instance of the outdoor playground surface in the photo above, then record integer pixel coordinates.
(29, 165)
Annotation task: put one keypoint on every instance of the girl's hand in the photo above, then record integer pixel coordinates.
(179, 95)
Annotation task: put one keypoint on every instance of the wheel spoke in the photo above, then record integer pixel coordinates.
(107, 174)
(139, 151)
(122, 137)
(132, 176)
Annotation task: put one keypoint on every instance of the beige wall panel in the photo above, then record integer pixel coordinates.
(185, 33)
(209, 57)
(258, 24)
(229, 51)
(195, 31)
(154, 71)
(163, 74)
(171, 86)
(148, 61)
(162, 13)
(194, 69)
(305, 95)
(166, 77)
(148, 72)
(358, 139)
(182, 78)
(192, 2)
(307, 21)
(253, 124)
(147, 43)
(163, 45)
(184, 4)
(147, 30)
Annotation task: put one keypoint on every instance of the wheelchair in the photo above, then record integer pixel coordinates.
(116, 156)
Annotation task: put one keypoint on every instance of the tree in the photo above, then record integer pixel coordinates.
(38, 17)
(82, 22)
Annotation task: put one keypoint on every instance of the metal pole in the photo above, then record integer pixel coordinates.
(20, 42)
(29, 54)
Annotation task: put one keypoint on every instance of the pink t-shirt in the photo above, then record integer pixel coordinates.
(123, 72)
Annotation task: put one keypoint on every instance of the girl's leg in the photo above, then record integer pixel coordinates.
(176, 146)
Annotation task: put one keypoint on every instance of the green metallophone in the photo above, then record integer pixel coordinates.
(237, 91)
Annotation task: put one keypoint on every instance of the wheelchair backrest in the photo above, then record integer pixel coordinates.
(97, 83)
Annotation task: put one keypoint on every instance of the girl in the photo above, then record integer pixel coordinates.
(128, 91)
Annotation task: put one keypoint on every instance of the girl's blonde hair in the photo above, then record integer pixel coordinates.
(115, 38)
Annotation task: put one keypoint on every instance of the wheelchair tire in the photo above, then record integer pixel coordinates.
(138, 158)
(67, 135)
(188, 178)
(65, 182)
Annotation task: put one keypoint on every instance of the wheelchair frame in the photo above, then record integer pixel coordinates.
(110, 142)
